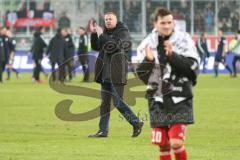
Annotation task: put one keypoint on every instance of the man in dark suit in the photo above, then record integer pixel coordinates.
(37, 52)
(68, 51)
(56, 55)
(2, 54)
(82, 52)
(111, 71)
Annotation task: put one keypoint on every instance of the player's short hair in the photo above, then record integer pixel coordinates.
(161, 12)
(220, 29)
(111, 12)
(82, 28)
(65, 29)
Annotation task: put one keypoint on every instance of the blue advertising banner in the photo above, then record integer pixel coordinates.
(23, 62)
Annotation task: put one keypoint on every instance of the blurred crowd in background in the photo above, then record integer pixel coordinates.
(194, 16)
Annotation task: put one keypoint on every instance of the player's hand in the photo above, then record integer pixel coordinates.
(149, 53)
(99, 30)
(168, 48)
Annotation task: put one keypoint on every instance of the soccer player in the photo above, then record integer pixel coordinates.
(220, 56)
(2, 55)
(56, 55)
(172, 112)
(11, 52)
(82, 52)
(37, 51)
(203, 50)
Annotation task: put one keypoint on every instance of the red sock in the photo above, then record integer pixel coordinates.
(180, 153)
(165, 154)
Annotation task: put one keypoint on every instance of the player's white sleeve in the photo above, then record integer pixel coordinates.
(140, 50)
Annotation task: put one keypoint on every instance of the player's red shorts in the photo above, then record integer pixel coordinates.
(161, 136)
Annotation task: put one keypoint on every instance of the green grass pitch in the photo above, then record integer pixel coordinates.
(30, 130)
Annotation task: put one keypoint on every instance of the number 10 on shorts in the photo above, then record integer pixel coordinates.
(156, 136)
(159, 136)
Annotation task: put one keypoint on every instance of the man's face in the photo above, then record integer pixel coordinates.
(110, 21)
(81, 31)
(204, 35)
(63, 32)
(165, 25)
(220, 33)
(42, 30)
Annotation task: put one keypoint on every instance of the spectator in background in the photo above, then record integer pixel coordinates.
(224, 12)
(23, 6)
(149, 11)
(135, 8)
(132, 8)
(32, 5)
(64, 21)
(235, 21)
(225, 25)
(22, 13)
(127, 17)
(177, 15)
(47, 5)
(209, 18)
(199, 22)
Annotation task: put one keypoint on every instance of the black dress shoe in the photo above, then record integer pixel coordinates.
(99, 134)
(137, 129)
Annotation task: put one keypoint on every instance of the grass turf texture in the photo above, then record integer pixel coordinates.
(29, 129)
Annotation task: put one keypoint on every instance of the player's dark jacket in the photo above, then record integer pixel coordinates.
(2, 50)
(175, 106)
(56, 49)
(82, 49)
(113, 46)
(38, 46)
(12, 44)
(202, 48)
(9, 47)
(69, 47)
(220, 48)
(6, 46)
